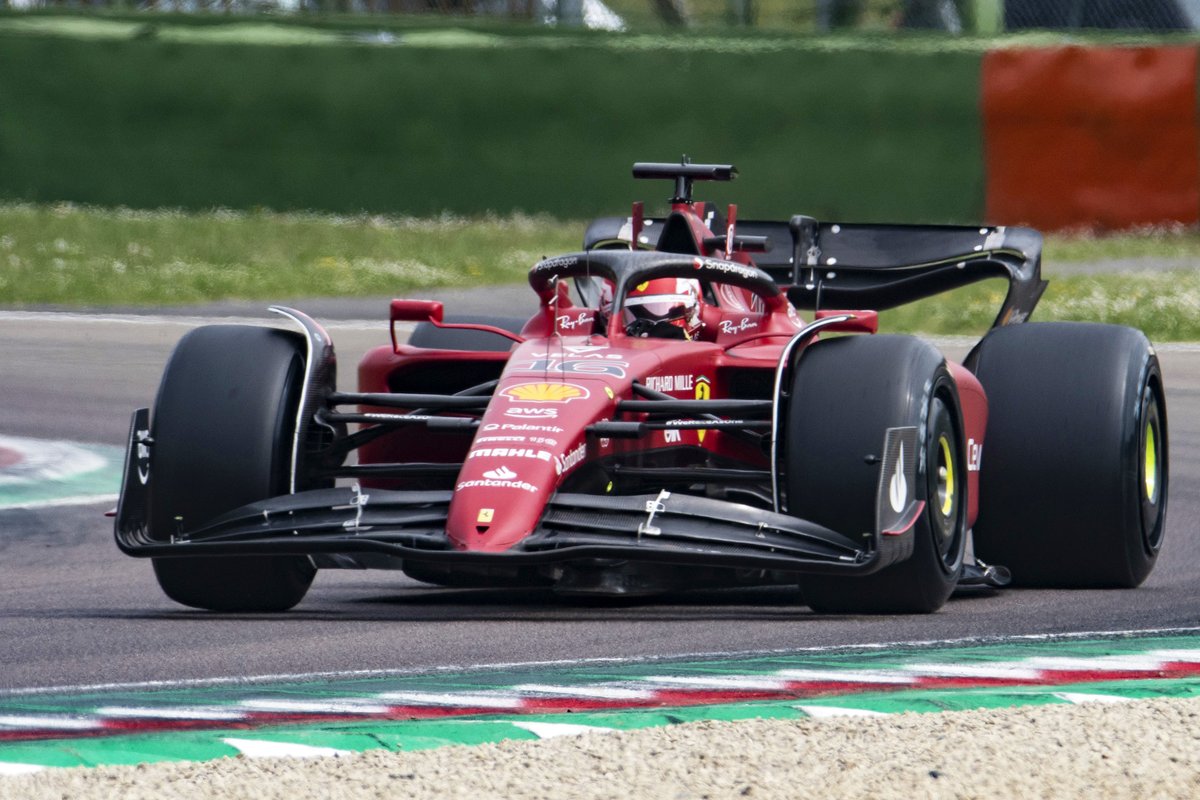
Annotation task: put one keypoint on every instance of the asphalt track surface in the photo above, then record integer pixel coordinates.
(74, 610)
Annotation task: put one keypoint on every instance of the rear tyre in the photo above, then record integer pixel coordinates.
(1073, 483)
(222, 430)
(846, 393)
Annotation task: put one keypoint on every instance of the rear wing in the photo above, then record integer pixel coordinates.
(873, 266)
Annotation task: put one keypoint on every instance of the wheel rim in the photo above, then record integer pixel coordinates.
(1150, 464)
(945, 487)
(945, 476)
(1152, 470)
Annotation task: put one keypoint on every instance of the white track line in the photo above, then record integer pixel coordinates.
(9, 768)
(170, 713)
(1079, 698)
(303, 677)
(78, 500)
(351, 706)
(451, 699)
(45, 460)
(737, 683)
(550, 730)
(80, 318)
(1177, 656)
(843, 676)
(258, 748)
(1002, 670)
(822, 712)
(48, 723)
(1131, 663)
(589, 692)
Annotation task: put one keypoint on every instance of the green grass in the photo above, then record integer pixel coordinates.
(1168, 242)
(66, 255)
(1166, 305)
(74, 256)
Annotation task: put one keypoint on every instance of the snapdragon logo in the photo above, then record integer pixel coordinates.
(728, 267)
(558, 262)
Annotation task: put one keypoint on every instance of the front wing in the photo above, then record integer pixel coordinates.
(667, 528)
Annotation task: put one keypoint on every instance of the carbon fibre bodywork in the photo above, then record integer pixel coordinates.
(575, 454)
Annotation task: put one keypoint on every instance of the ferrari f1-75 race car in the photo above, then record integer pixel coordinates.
(665, 419)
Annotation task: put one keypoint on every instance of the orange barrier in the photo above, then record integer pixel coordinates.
(1091, 136)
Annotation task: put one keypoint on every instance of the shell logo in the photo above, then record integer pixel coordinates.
(545, 392)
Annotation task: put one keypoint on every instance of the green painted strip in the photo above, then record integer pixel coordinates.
(72, 470)
(352, 686)
(424, 734)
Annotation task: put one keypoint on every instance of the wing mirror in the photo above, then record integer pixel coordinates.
(431, 311)
(859, 322)
(416, 311)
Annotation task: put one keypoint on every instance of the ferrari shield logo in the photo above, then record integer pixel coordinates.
(703, 392)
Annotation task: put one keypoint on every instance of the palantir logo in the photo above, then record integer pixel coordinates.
(500, 473)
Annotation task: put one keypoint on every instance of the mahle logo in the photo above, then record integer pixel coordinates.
(545, 392)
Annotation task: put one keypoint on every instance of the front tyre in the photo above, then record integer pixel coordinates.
(1073, 482)
(223, 425)
(846, 393)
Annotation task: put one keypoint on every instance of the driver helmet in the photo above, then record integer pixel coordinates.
(666, 307)
(604, 298)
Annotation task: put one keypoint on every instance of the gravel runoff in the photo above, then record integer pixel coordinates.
(1136, 749)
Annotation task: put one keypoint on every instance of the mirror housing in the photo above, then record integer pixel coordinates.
(416, 311)
(859, 322)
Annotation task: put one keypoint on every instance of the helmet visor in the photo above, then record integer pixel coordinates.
(660, 307)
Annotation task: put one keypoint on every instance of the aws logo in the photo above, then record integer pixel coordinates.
(545, 392)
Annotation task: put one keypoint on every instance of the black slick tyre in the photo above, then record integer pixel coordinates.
(1074, 474)
(846, 392)
(222, 428)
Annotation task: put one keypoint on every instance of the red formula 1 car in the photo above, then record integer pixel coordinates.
(670, 423)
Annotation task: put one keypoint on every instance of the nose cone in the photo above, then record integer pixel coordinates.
(499, 501)
(531, 437)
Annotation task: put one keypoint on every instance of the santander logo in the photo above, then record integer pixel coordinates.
(499, 478)
(500, 473)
